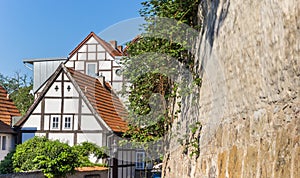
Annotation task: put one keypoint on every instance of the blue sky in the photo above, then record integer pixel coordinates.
(53, 28)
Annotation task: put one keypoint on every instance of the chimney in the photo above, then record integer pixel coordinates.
(101, 79)
(113, 43)
(120, 48)
(7, 96)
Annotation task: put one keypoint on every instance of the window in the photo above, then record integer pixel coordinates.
(140, 160)
(55, 122)
(67, 122)
(91, 69)
(3, 142)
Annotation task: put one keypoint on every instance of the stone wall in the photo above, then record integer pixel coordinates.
(248, 55)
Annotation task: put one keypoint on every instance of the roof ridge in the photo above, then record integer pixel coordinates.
(112, 51)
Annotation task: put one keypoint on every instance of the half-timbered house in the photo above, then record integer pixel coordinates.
(8, 111)
(78, 103)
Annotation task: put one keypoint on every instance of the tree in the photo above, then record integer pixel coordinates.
(19, 87)
(6, 165)
(53, 158)
(160, 37)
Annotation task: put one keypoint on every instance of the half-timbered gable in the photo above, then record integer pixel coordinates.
(8, 111)
(95, 57)
(74, 107)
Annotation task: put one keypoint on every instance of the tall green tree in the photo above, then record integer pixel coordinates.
(19, 89)
(160, 43)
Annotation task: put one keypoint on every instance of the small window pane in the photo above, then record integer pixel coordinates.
(55, 122)
(140, 158)
(67, 122)
(4, 143)
(91, 69)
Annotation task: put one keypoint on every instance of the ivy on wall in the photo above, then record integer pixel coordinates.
(145, 125)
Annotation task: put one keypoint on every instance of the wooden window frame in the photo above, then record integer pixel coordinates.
(57, 123)
(69, 122)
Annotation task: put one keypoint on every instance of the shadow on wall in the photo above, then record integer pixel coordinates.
(212, 23)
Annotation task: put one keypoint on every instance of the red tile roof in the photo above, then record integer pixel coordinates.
(114, 52)
(7, 107)
(103, 100)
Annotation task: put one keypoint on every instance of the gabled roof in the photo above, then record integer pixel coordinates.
(7, 108)
(112, 51)
(103, 99)
(100, 99)
(4, 128)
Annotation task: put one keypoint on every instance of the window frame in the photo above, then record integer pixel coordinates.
(70, 122)
(56, 122)
(87, 69)
(3, 142)
(140, 164)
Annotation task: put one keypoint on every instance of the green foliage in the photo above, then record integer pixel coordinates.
(85, 149)
(194, 143)
(150, 66)
(22, 98)
(6, 165)
(184, 11)
(53, 158)
(19, 88)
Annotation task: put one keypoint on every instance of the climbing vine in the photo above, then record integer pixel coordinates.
(146, 125)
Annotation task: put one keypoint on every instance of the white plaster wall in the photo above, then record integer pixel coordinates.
(33, 121)
(101, 56)
(40, 134)
(52, 92)
(9, 145)
(59, 77)
(75, 122)
(115, 76)
(82, 49)
(73, 58)
(38, 108)
(85, 109)
(81, 56)
(46, 122)
(72, 92)
(106, 74)
(90, 137)
(117, 86)
(104, 65)
(52, 105)
(92, 48)
(71, 63)
(91, 56)
(109, 57)
(89, 123)
(92, 40)
(71, 105)
(100, 48)
(79, 65)
(63, 137)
